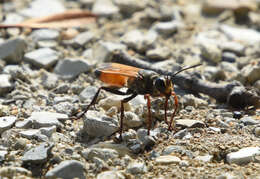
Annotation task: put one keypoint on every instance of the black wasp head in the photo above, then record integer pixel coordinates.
(163, 85)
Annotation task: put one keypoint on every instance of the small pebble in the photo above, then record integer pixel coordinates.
(167, 159)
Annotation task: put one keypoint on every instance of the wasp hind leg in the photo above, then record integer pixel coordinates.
(93, 102)
(125, 100)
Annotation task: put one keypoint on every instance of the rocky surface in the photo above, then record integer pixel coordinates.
(47, 79)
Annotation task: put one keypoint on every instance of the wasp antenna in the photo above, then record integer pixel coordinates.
(193, 66)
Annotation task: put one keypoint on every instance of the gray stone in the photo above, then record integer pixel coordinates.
(142, 134)
(227, 176)
(249, 121)
(136, 147)
(128, 7)
(49, 80)
(39, 154)
(229, 67)
(138, 100)
(67, 169)
(105, 8)
(12, 51)
(234, 47)
(97, 125)
(3, 155)
(30, 133)
(25, 124)
(36, 8)
(241, 8)
(181, 134)
(20, 144)
(168, 28)
(130, 134)
(6, 123)
(247, 36)
(132, 120)
(100, 164)
(114, 100)
(42, 58)
(5, 84)
(45, 34)
(82, 39)
(88, 54)
(103, 51)
(47, 119)
(76, 88)
(64, 107)
(189, 123)
(257, 85)
(251, 73)
(88, 93)
(167, 159)
(222, 124)
(12, 18)
(213, 73)
(47, 44)
(16, 71)
(160, 53)
(12, 172)
(177, 149)
(184, 163)
(110, 175)
(61, 99)
(211, 53)
(189, 108)
(243, 156)
(102, 153)
(71, 68)
(62, 88)
(209, 38)
(138, 40)
(215, 129)
(257, 131)
(191, 100)
(48, 131)
(136, 168)
(229, 57)
(204, 158)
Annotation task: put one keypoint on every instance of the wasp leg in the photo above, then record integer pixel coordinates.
(147, 97)
(111, 90)
(175, 110)
(165, 109)
(125, 100)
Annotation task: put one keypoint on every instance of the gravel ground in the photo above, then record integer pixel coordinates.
(47, 77)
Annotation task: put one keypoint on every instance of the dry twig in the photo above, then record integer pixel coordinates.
(70, 18)
(234, 93)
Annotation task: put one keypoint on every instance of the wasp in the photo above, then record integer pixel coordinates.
(138, 82)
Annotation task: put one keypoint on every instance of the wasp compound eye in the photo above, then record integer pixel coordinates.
(160, 84)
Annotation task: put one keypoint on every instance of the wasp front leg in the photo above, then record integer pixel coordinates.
(175, 110)
(147, 97)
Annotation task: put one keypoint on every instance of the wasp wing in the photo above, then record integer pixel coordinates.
(116, 74)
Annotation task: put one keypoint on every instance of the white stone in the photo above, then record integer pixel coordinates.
(243, 156)
(105, 8)
(244, 35)
(167, 159)
(6, 123)
(204, 158)
(110, 175)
